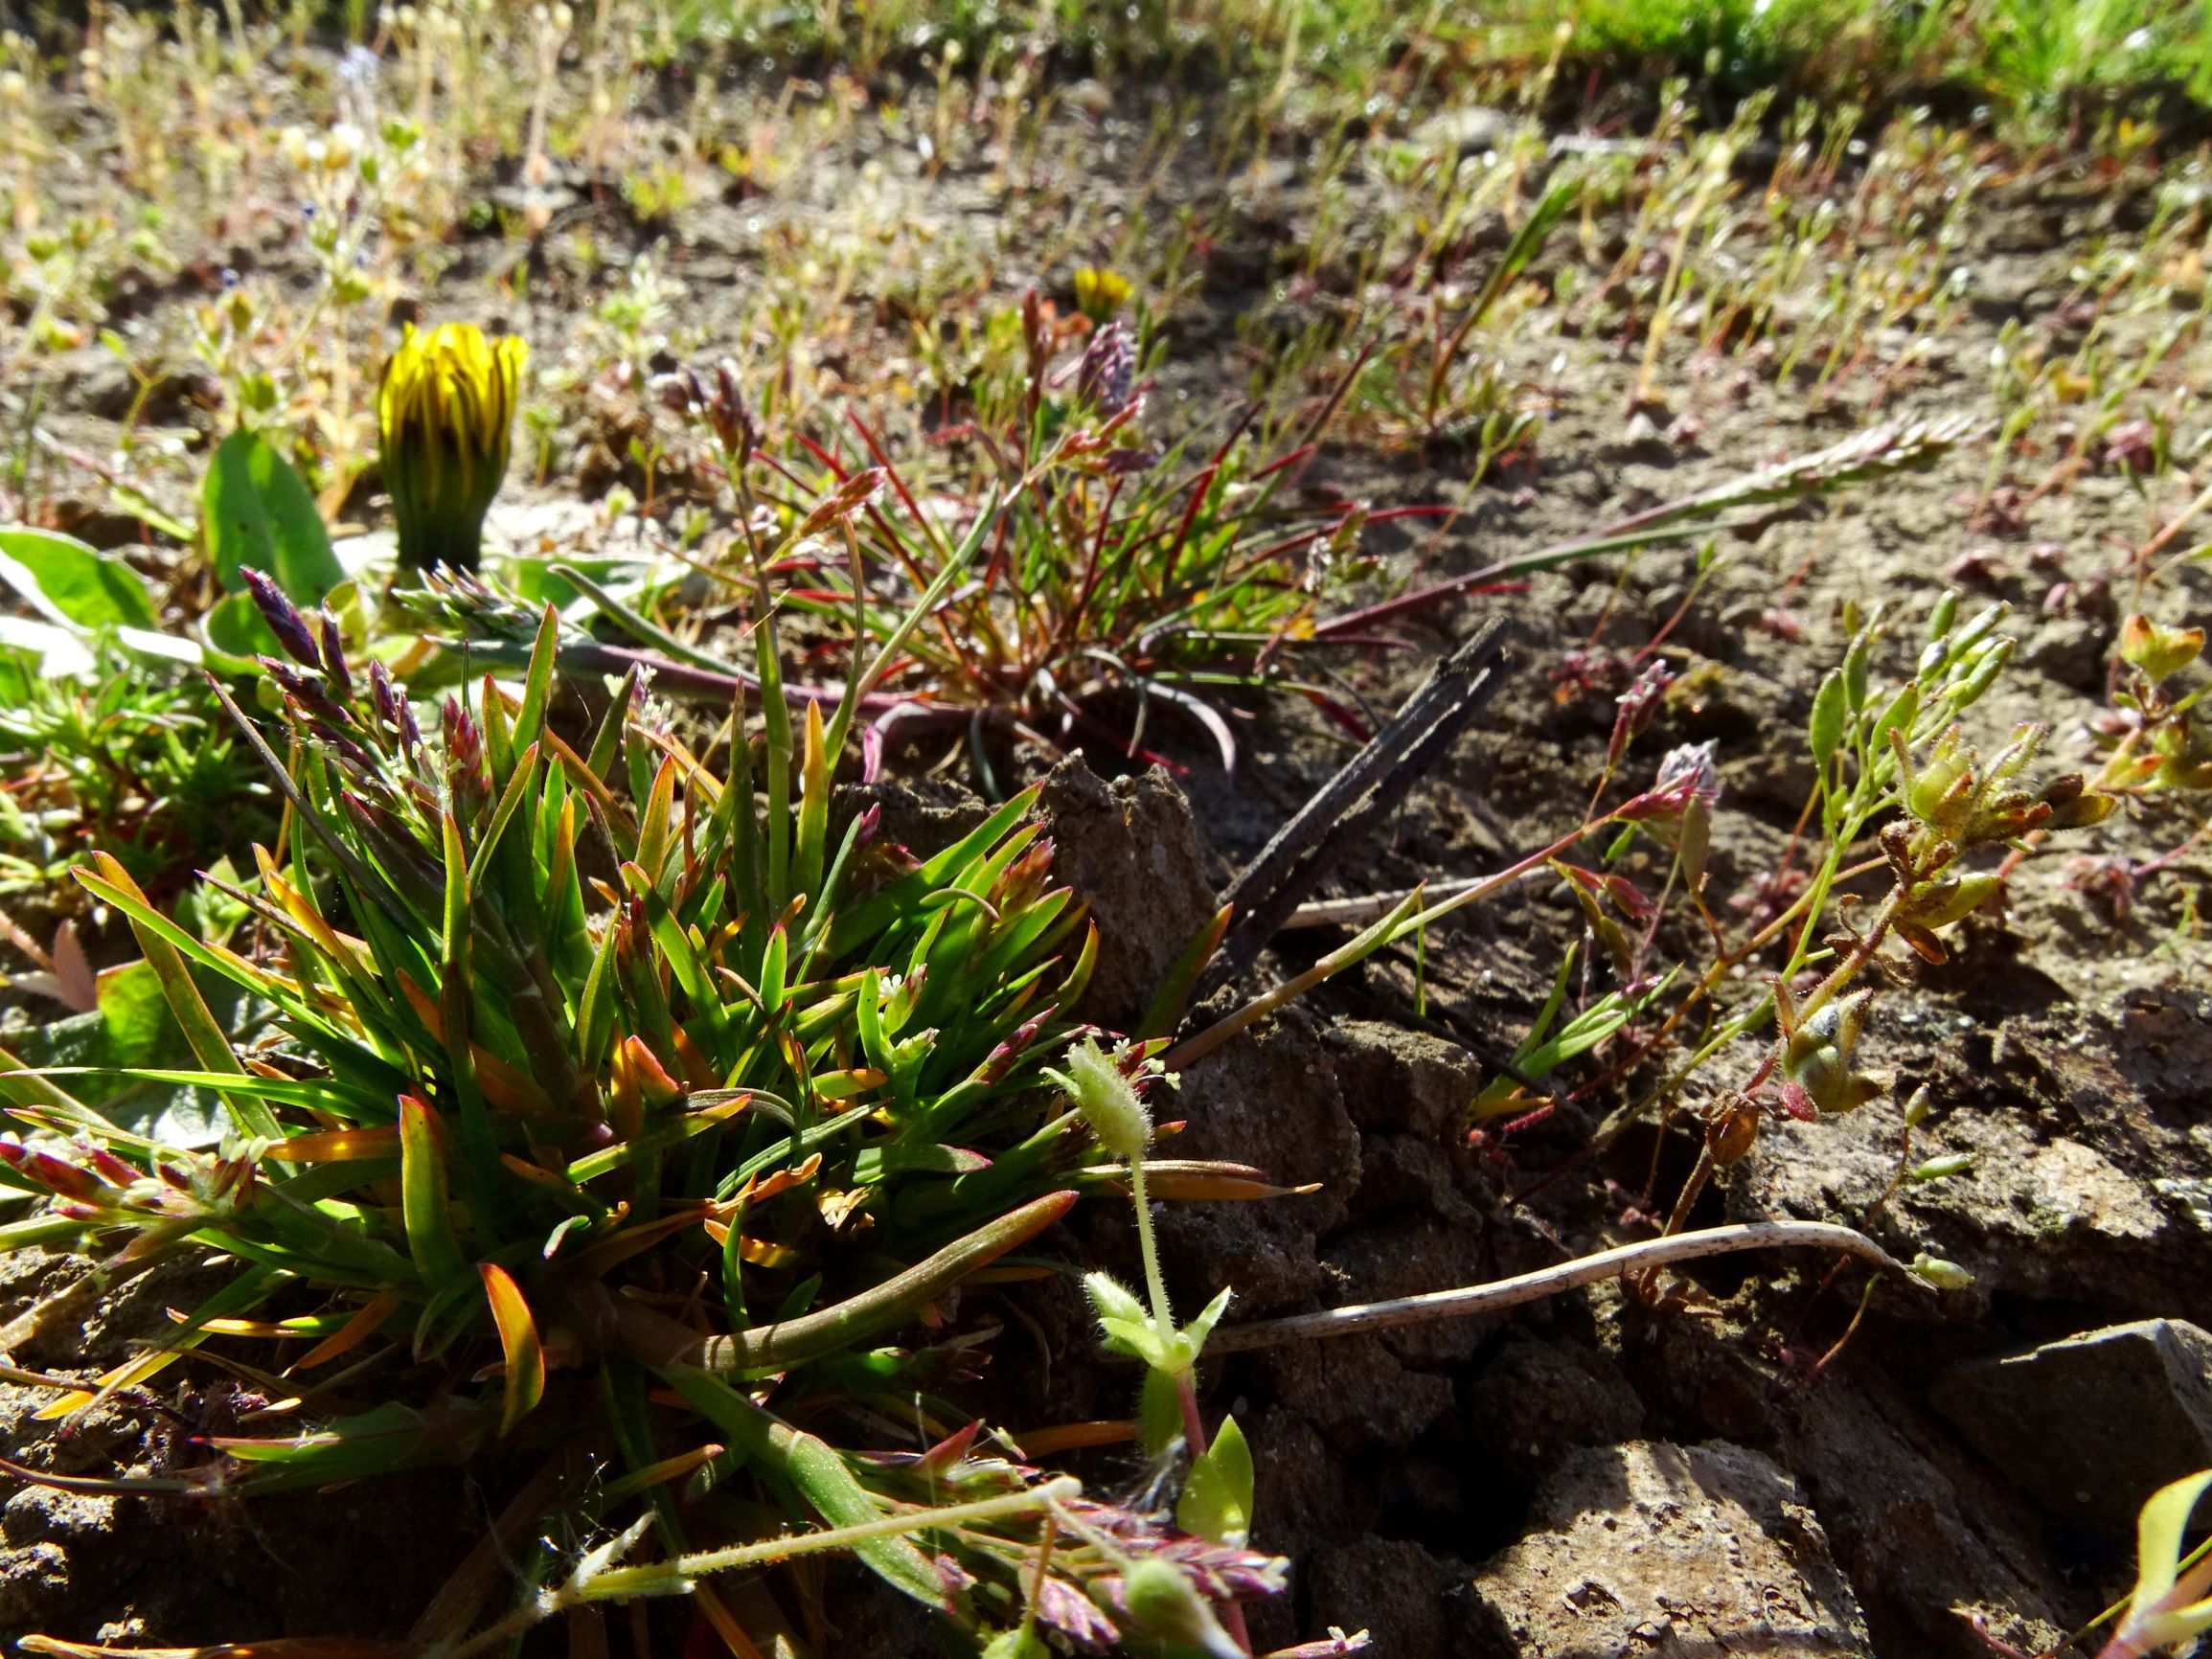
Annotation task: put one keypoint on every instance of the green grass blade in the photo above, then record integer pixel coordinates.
(538, 683)
(881, 1308)
(423, 1200)
(818, 1473)
(207, 1038)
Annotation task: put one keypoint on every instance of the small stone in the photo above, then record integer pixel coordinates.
(1131, 851)
(1395, 1079)
(2069, 649)
(1539, 1400)
(34, 1584)
(1707, 1548)
(41, 1514)
(1354, 1391)
(1462, 132)
(2091, 1426)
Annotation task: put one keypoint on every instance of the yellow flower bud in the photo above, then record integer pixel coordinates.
(443, 417)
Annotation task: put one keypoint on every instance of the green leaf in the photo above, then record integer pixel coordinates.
(237, 633)
(387, 1437)
(71, 583)
(792, 1342)
(1159, 1411)
(1831, 708)
(1566, 190)
(422, 1195)
(518, 1341)
(1216, 1501)
(819, 1474)
(2163, 1609)
(1199, 1328)
(166, 948)
(1542, 1028)
(1111, 1299)
(132, 1027)
(1166, 1013)
(875, 1163)
(538, 685)
(134, 502)
(254, 509)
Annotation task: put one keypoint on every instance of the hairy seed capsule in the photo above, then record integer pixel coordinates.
(1163, 1603)
(1107, 1099)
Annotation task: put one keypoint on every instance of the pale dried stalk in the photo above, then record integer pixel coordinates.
(1371, 907)
(1473, 1299)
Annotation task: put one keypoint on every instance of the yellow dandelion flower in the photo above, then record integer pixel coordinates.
(1100, 293)
(442, 419)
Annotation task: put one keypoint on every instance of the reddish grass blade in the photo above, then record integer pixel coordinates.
(518, 1338)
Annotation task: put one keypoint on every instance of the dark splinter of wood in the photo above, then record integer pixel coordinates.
(1369, 786)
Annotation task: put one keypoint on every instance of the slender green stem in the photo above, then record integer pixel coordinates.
(1154, 1284)
(672, 1576)
(677, 1575)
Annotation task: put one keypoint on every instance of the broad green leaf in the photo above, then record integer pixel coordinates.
(236, 634)
(1216, 1501)
(254, 509)
(131, 1027)
(71, 583)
